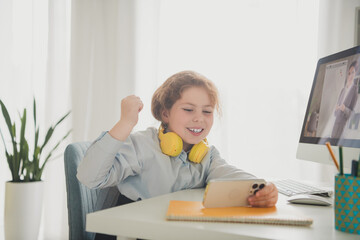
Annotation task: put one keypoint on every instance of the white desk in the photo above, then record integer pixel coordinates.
(146, 219)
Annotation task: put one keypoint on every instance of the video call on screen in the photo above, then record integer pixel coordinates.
(333, 112)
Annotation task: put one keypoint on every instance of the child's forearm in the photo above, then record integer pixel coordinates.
(121, 130)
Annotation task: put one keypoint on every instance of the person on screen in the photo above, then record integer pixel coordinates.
(311, 124)
(140, 164)
(346, 102)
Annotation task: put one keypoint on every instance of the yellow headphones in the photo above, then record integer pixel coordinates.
(171, 144)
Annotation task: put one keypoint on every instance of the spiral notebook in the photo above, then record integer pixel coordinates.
(195, 211)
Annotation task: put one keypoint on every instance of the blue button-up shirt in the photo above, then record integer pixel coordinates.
(140, 170)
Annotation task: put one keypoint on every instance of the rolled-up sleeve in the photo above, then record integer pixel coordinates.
(107, 162)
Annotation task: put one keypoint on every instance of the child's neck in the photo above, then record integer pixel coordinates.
(187, 147)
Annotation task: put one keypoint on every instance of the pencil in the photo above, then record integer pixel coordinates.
(341, 161)
(332, 155)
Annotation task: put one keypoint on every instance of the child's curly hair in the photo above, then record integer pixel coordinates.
(170, 91)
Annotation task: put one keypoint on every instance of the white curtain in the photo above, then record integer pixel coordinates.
(102, 63)
(57, 102)
(34, 62)
(85, 56)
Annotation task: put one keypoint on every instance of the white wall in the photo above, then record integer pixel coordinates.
(336, 26)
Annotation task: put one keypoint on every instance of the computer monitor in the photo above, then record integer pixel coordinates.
(333, 110)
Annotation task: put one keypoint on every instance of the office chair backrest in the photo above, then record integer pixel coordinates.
(80, 199)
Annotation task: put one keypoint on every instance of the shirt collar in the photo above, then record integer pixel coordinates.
(183, 156)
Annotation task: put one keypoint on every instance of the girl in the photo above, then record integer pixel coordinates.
(149, 163)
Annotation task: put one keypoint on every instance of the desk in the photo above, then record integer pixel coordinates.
(146, 219)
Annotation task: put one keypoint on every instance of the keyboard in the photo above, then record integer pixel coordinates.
(290, 188)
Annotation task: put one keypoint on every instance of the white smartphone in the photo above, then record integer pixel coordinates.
(230, 193)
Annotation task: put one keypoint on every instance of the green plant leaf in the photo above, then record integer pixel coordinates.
(37, 152)
(16, 158)
(52, 150)
(36, 147)
(13, 129)
(7, 118)
(24, 155)
(22, 146)
(10, 163)
(51, 131)
(29, 169)
(22, 169)
(57, 145)
(47, 138)
(36, 137)
(14, 172)
(67, 114)
(23, 126)
(8, 157)
(34, 113)
(2, 137)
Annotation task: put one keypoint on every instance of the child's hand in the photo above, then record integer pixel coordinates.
(130, 108)
(266, 197)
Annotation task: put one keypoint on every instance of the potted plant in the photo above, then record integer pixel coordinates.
(23, 194)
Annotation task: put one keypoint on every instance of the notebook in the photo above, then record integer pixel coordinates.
(195, 211)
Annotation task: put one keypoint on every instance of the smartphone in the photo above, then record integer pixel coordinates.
(230, 193)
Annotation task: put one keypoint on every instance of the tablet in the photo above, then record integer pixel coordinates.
(230, 193)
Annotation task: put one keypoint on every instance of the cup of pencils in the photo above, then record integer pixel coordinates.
(347, 195)
(347, 203)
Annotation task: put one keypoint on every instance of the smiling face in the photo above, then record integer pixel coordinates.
(191, 117)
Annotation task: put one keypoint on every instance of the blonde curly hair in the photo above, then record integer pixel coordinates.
(170, 91)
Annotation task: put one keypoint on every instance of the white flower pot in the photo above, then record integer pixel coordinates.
(23, 206)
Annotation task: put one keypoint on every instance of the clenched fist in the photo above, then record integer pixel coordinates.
(130, 108)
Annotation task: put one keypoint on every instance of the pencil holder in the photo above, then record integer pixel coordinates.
(347, 203)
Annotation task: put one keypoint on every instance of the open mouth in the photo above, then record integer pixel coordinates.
(196, 130)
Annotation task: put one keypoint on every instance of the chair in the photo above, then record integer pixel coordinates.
(80, 199)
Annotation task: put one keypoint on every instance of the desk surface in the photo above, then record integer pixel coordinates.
(146, 219)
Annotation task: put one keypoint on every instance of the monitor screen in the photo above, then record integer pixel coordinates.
(333, 111)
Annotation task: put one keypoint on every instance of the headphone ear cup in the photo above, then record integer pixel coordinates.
(198, 151)
(171, 144)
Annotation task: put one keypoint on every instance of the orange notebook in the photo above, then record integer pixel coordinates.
(195, 211)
